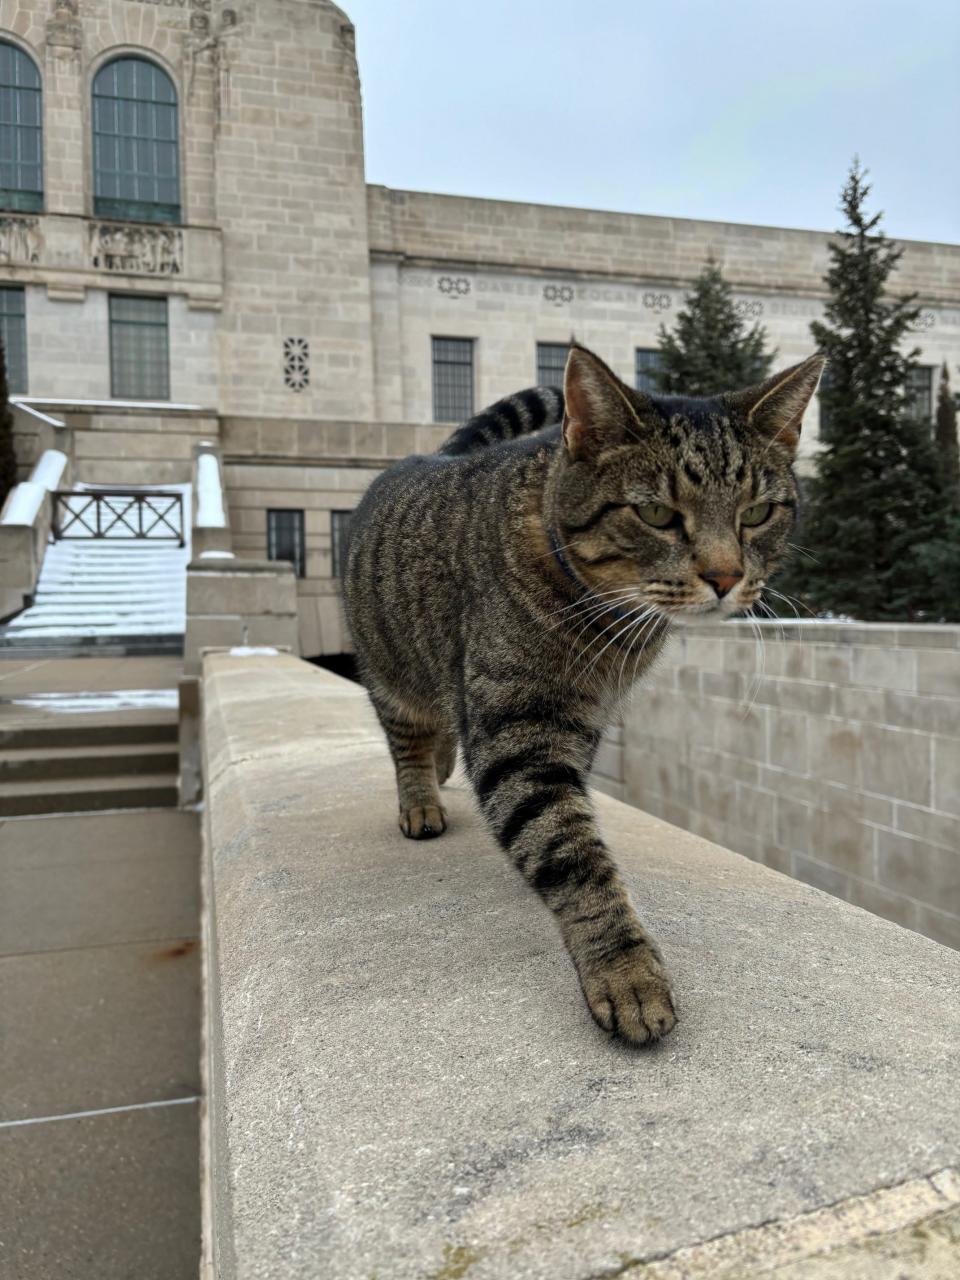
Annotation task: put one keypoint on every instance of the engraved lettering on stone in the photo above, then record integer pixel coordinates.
(202, 5)
(20, 240)
(558, 294)
(521, 288)
(454, 286)
(296, 363)
(142, 251)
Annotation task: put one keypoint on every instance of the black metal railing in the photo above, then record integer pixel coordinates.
(118, 513)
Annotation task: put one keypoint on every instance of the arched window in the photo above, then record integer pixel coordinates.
(21, 131)
(135, 169)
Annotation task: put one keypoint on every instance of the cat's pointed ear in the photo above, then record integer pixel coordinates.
(775, 408)
(599, 410)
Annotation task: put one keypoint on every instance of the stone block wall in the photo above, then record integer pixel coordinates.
(506, 309)
(834, 758)
(136, 446)
(246, 603)
(273, 463)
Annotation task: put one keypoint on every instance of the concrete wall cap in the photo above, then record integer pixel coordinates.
(403, 1079)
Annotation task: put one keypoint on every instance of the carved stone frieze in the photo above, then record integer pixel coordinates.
(64, 33)
(136, 250)
(21, 240)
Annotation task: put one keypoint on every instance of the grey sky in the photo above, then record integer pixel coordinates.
(747, 111)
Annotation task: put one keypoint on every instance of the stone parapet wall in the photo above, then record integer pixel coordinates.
(318, 468)
(834, 757)
(421, 225)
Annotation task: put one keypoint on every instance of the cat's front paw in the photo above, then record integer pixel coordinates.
(423, 823)
(629, 996)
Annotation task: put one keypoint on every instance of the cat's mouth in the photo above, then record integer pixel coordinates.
(729, 606)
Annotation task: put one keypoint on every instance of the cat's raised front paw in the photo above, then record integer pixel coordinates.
(629, 996)
(423, 823)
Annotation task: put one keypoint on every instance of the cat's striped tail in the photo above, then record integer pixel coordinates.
(517, 415)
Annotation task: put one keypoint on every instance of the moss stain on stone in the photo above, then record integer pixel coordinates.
(457, 1261)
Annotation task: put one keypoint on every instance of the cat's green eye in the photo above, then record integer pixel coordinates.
(656, 514)
(759, 513)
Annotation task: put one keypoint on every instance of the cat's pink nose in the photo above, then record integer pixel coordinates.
(721, 580)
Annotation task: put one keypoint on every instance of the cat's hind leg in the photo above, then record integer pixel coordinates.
(413, 745)
(445, 754)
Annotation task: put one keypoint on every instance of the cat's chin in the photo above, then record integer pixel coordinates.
(719, 612)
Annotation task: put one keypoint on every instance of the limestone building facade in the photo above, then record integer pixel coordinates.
(189, 249)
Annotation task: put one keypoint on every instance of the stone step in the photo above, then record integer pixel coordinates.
(109, 729)
(110, 760)
(53, 643)
(93, 647)
(85, 795)
(63, 611)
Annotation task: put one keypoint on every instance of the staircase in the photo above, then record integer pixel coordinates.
(55, 758)
(109, 596)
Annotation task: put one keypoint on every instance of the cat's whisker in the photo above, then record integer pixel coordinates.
(795, 546)
(761, 667)
(637, 626)
(769, 613)
(553, 550)
(623, 618)
(593, 596)
(592, 622)
(590, 612)
(596, 658)
(647, 631)
(792, 601)
(585, 600)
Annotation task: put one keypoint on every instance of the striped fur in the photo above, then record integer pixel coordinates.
(503, 594)
(518, 415)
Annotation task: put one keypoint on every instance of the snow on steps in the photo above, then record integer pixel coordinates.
(106, 596)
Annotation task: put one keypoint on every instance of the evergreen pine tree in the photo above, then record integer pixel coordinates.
(876, 496)
(710, 348)
(946, 433)
(8, 458)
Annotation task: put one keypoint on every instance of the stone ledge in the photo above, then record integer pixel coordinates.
(403, 1080)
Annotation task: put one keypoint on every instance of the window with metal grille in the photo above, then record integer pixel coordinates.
(452, 379)
(286, 540)
(919, 392)
(139, 348)
(551, 362)
(339, 541)
(13, 335)
(135, 142)
(21, 131)
(649, 360)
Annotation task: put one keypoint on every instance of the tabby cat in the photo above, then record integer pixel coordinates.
(506, 592)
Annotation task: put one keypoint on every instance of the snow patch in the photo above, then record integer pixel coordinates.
(210, 513)
(100, 700)
(50, 468)
(23, 505)
(254, 651)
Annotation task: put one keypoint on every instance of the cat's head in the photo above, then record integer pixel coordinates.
(686, 503)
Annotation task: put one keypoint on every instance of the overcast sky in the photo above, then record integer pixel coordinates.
(746, 111)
